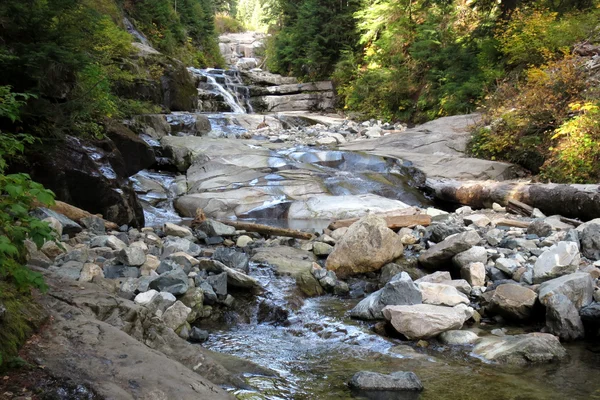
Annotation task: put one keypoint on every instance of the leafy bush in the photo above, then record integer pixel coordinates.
(18, 195)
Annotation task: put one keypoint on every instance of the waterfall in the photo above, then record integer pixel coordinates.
(227, 85)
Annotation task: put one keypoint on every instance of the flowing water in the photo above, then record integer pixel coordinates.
(316, 350)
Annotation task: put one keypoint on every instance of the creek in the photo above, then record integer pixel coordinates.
(315, 347)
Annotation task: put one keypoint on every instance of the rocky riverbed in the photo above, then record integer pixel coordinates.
(399, 297)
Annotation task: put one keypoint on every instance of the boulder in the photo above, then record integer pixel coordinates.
(439, 232)
(218, 283)
(110, 241)
(132, 256)
(476, 254)
(89, 174)
(562, 318)
(176, 315)
(175, 282)
(176, 244)
(513, 301)
(540, 228)
(232, 258)
(394, 382)
(322, 249)
(440, 294)
(438, 255)
(367, 246)
(68, 226)
(474, 273)
(560, 259)
(520, 349)
(198, 335)
(507, 265)
(89, 271)
(577, 287)
(137, 154)
(400, 290)
(458, 338)
(590, 241)
(436, 277)
(423, 321)
(70, 270)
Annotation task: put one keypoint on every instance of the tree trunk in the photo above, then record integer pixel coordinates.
(267, 230)
(576, 201)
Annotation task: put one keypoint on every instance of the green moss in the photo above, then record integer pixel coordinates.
(22, 317)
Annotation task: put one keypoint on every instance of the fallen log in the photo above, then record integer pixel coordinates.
(393, 221)
(75, 213)
(267, 230)
(575, 201)
(511, 223)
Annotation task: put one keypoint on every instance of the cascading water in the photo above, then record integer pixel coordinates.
(226, 86)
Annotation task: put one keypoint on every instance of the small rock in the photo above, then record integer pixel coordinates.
(145, 298)
(513, 301)
(215, 228)
(175, 282)
(198, 335)
(244, 241)
(89, 271)
(558, 260)
(132, 256)
(95, 224)
(476, 254)
(322, 249)
(176, 315)
(175, 230)
(232, 258)
(442, 252)
(590, 241)
(458, 338)
(540, 228)
(70, 270)
(478, 220)
(562, 318)
(218, 283)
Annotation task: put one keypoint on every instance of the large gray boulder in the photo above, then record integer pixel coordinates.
(590, 241)
(513, 301)
(560, 259)
(423, 321)
(396, 381)
(400, 290)
(520, 349)
(577, 287)
(367, 246)
(438, 255)
(562, 318)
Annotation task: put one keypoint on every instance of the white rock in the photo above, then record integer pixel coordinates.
(89, 271)
(244, 241)
(479, 220)
(560, 259)
(176, 315)
(474, 273)
(440, 294)
(423, 321)
(146, 297)
(176, 230)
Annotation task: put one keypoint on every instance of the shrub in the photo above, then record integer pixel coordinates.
(226, 24)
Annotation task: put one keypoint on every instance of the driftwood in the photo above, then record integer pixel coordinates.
(511, 222)
(574, 201)
(519, 208)
(75, 213)
(267, 230)
(393, 221)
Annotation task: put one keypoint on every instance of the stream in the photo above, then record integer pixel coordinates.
(317, 348)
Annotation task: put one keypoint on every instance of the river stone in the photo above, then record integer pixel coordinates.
(423, 321)
(194, 299)
(562, 318)
(322, 249)
(232, 258)
(120, 271)
(513, 301)
(244, 241)
(400, 290)
(175, 244)
(478, 220)
(476, 254)
(437, 255)
(184, 260)
(175, 282)
(577, 287)
(218, 283)
(474, 273)
(89, 271)
(590, 241)
(146, 297)
(68, 226)
(70, 270)
(238, 279)
(459, 284)
(198, 335)
(560, 259)
(108, 241)
(520, 349)
(439, 232)
(494, 236)
(216, 228)
(132, 256)
(55, 225)
(436, 277)
(458, 338)
(168, 265)
(94, 224)
(440, 294)
(171, 229)
(150, 266)
(176, 315)
(394, 382)
(51, 249)
(540, 228)
(367, 246)
(210, 297)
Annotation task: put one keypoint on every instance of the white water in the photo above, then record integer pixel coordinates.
(228, 96)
